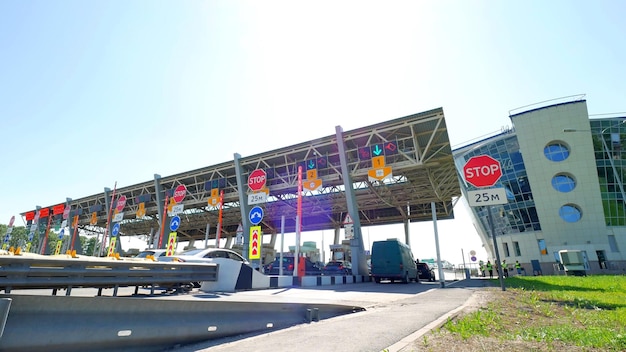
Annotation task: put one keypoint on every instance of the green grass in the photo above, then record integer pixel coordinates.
(589, 312)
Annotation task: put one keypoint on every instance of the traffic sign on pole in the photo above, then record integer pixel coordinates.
(116, 229)
(121, 202)
(257, 179)
(179, 193)
(482, 171)
(256, 215)
(175, 223)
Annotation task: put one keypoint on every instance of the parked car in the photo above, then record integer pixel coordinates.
(152, 254)
(227, 260)
(310, 268)
(337, 267)
(393, 260)
(207, 255)
(425, 272)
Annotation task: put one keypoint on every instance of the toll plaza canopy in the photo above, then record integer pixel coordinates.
(397, 169)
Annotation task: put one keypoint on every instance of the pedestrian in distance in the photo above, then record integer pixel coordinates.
(505, 269)
(518, 267)
(482, 269)
(490, 269)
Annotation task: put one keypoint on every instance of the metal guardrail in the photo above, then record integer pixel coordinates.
(98, 324)
(43, 272)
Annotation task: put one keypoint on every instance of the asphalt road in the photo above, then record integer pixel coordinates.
(395, 316)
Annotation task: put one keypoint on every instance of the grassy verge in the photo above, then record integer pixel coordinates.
(542, 313)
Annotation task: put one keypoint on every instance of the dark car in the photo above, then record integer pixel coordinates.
(337, 267)
(425, 272)
(310, 269)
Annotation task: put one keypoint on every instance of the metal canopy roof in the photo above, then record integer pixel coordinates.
(422, 167)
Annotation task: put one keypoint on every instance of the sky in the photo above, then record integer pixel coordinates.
(98, 92)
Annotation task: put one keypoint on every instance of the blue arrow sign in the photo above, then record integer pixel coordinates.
(116, 229)
(175, 223)
(61, 234)
(256, 215)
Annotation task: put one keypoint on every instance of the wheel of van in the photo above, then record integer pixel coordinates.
(377, 280)
(405, 279)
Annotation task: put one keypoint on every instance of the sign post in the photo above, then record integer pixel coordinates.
(484, 171)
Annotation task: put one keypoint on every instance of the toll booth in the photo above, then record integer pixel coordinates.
(341, 251)
(307, 249)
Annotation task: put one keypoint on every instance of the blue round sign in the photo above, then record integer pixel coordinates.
(116, 229)
(256, 215)
(175, 223)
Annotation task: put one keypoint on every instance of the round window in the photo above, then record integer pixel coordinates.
(563, 183)
(556, 151)
(570, 213)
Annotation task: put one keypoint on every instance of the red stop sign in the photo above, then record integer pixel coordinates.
(179, 193)
(121, 203)
(256, 180)
(482, 171)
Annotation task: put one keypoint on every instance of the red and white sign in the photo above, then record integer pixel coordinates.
(482, 171)
(257, 179)
(121, 203)
(179, 193)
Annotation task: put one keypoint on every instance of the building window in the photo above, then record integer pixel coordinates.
(570, 213)
(613, 244)
(507, 253)
(543, 250)
(518, 251)
(556, 151)
(563, 183)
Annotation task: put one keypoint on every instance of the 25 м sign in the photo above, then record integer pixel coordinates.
(484, 171)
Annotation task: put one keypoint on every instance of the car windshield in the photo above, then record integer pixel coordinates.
(192, 252)
(145, 254)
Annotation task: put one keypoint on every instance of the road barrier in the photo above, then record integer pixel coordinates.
(62, 323)
(43, 272)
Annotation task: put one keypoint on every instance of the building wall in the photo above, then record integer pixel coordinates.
(538, 129)
(534, 225)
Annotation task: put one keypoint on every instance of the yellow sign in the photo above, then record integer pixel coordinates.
(213, 201)
(311, 174)
(112, 246)
(94, 218)
(169, 206)
(171, 244)
(215, 192)
(141, 212)
(312, 184)
(58, 248)
(378, 161)
(379, 174)
(255, 242)
(75, 221)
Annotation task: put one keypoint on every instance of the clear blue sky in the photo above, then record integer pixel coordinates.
(98, 92)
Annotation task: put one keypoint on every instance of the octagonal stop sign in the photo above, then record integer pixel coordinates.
(257, 179)
(482, 171)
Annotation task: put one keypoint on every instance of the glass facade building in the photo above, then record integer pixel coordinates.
(563, 175)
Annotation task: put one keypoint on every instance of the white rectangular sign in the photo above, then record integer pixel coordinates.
(487, 196)
(257, 198)
(176, 209)
(118, 217)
